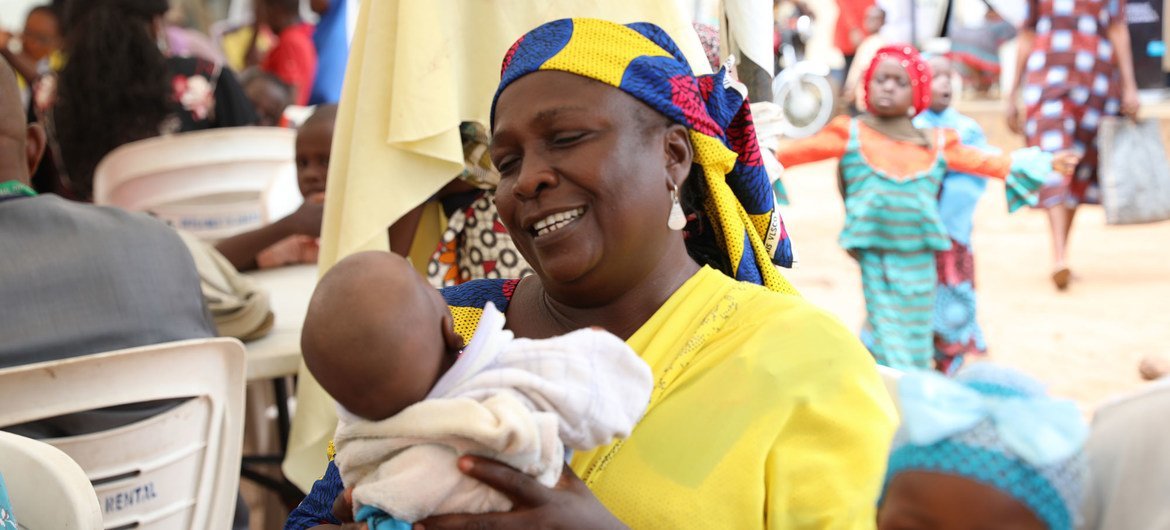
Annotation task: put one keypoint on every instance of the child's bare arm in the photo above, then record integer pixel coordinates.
(241, 249)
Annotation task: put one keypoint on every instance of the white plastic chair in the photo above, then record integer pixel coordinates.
(213, 183)
(890, 377)
(175, 470)
(48, 490)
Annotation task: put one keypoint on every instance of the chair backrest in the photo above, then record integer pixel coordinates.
(48, 490)
(890, 377)
(176, 470)
(213, 183)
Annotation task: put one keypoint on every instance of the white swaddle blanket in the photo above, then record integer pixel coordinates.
(513, 400)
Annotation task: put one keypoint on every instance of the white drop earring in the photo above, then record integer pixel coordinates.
(677, 220)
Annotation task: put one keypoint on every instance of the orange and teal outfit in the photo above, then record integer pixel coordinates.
(800, 420)
(892, 222)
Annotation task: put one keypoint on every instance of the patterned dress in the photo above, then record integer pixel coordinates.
(956, 331)
(893, 226)
(1069, 85)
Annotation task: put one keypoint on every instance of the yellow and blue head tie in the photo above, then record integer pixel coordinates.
(642, 60)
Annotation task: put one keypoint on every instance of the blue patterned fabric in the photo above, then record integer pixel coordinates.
(1025, 444)
(7, 518)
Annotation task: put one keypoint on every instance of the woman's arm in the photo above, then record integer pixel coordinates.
(825, 468)
(829, 143)
(316, 511)
(27, 68)
(1025, 43)
(1118, 32)
(569, 504)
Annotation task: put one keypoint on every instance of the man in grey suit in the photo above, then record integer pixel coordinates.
(75, 278)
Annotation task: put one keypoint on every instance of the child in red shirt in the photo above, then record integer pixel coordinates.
(293, 59)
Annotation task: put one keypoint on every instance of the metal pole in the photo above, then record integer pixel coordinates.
(914, 22)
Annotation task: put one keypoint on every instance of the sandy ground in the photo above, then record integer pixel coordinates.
(1084, 343)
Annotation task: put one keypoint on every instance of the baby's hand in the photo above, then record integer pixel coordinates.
(1064, 162)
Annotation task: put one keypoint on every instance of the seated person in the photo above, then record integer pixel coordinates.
(294, 58)
(293, 239)
(88, 279)
(269, 95)
(382, 342)
(766, 411)
(117, 87)
(987, 449)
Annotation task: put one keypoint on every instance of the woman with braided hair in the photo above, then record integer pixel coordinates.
(119, 86)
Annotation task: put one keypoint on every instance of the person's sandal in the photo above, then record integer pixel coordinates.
(1061, 278)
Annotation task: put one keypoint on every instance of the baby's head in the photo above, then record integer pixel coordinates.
(941, 88)
(985, 450)
(314, 145)
(377, 336)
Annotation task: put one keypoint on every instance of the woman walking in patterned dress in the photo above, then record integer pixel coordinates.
(1074, 67)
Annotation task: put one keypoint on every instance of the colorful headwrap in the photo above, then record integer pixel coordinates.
(641, 60)
(916, 68)
(995, 426)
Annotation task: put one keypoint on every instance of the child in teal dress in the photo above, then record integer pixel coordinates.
(891, 176)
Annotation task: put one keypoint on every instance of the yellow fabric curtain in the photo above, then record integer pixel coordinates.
(416, 69)
(766, 413)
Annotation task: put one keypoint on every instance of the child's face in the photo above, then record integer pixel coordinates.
(314, 141)
(41, 36)
(890, 93)
(920, 500)
(941, 90)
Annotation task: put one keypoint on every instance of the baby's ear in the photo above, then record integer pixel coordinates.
(451, 339)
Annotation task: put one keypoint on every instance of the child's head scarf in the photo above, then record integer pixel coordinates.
(995, 426)
(641, 60)
(916, 68)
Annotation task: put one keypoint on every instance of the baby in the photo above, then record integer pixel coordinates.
(986, 450)
(382, 342)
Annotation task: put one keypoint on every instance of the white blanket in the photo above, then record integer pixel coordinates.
(513, 400)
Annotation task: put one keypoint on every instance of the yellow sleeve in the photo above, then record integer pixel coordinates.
(827, 464)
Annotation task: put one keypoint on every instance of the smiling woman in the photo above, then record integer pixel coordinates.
(765, 412)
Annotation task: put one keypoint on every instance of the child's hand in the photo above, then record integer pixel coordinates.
(1064, 162)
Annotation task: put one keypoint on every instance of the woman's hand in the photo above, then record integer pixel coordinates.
(1065, 162)
(569, 504)
(1130, 104)
(1011, 111)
